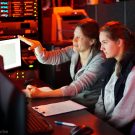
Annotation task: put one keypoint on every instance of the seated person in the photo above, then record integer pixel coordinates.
(116, 104)
(85, 69)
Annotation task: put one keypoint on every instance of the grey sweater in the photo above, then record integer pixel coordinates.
(85, 86)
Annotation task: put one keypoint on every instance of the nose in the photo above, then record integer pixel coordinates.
(75, 39)
(101, 47)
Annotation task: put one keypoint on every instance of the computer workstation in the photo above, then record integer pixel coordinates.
(15, 114)
(80, 117)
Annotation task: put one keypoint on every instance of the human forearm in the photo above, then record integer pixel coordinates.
(34, 92)
(54, 93)
(42, 94)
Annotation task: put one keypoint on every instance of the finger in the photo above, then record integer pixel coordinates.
(25, 40)
(29, 87)
(27, 93)
(33, 46)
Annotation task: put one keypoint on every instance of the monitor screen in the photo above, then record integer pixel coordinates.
(12, 107)
(10, 50)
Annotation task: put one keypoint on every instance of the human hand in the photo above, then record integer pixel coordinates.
(32, 43)
(32, 91)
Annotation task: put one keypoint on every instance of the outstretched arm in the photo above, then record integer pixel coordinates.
(34, 44)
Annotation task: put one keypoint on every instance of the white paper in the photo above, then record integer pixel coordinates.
(58, 108)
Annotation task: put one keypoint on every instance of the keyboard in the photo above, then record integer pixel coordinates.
(36, 124)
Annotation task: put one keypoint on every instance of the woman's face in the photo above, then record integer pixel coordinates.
(110, 47)
(81, 43)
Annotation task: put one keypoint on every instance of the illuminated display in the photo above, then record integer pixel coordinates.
(15, 8)
(22, 14)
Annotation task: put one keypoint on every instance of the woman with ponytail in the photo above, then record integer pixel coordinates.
(116, 103)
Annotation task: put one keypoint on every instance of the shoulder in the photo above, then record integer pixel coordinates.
(96, 61)
(70, 48)
(130, 81)
(67, 50)
(131, 77)
(132, 73)
(98, 57)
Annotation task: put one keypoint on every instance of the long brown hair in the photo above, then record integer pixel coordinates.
(90, 29)
(116, 30)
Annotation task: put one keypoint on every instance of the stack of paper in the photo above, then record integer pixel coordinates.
(58, 108)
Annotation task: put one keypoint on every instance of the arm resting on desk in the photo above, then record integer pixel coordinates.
(34, 92)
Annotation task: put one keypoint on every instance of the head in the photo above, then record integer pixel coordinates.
(86, 35)
(116, 39)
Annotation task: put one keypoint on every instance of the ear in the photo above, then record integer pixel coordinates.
(92, 41)
(120, 42)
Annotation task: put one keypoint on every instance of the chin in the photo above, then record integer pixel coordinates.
(109, 56)
(106, 56)
(75, 49)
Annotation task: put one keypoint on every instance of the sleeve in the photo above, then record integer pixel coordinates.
(99, 107)
(124, 112)
(85, 79)
(54, 57)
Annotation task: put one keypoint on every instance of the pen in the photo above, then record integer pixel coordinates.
(65, 123)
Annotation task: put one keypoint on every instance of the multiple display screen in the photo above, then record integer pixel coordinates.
(16, 8)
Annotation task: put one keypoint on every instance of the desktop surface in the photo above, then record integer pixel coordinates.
(82, 117)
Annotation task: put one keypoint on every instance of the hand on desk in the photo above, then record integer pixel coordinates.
(34, 92)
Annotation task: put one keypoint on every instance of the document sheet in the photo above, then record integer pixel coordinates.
(58, 108)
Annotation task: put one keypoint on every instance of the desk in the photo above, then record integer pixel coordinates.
(78, 117)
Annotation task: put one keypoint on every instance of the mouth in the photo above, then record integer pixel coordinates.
(104, 52)
(75, 45)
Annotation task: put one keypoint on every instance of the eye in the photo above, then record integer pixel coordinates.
(104, 42)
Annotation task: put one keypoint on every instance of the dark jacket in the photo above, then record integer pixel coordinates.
(126, 66)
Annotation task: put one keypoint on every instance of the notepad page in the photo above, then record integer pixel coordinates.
(58, 108)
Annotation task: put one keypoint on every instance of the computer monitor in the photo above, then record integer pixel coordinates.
(12, 107)
(10, 50)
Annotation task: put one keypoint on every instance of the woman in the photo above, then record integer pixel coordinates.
(85, 68)
(116, 104)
